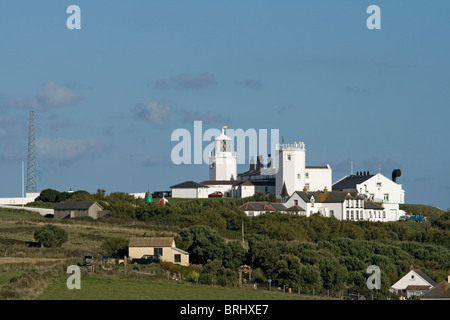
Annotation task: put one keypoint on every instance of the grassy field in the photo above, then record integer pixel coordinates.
(101, 287)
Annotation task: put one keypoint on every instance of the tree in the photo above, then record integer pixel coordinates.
(50, 236)
(49, 195)
(204, 244)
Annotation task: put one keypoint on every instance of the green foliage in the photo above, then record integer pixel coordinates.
(203, 244)
(51, 236)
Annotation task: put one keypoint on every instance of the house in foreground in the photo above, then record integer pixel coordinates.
(439, 292)
(65, 210)
(161, 246)
(414, 283)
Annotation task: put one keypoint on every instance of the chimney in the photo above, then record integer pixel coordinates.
(252, 164)
(411, 267)
(259, 165)
(269, 161)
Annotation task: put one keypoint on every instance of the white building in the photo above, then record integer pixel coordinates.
(414, 283)
(28, 197)
(338, 204)
(223, 159)
(189, 189)
(376, 188)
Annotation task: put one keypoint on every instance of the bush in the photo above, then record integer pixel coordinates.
(50, 236)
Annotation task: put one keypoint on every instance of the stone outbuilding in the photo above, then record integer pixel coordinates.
(66, 210)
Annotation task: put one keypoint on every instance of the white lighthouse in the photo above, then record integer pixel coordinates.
(223, 160)
(291, 168)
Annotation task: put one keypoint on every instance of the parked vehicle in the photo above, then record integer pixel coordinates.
(404, 218)
(146, 259)
(418, 217)
(216, 194)
(89, 260)
(112, 260)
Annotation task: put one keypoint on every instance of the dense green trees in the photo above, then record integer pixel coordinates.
(51, 236)
(310, 253)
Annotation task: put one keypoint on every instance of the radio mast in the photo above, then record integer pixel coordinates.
(31, 157)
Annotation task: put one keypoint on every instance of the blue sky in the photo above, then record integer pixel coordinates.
(107, 97)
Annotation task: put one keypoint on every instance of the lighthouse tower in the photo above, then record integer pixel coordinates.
(291, 168)
(223, 160)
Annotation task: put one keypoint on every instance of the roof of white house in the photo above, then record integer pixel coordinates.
(350, 182)
(413, 277)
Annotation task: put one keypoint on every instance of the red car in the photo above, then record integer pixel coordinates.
(216, 194)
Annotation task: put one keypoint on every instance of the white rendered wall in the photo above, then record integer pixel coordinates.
(318, 178)
(291, 168)
(190, 193)
(379, 186)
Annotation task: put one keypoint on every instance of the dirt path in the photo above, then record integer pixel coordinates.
(6, 260)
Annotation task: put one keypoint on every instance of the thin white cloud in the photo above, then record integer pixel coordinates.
(156, 112)
(52, 95)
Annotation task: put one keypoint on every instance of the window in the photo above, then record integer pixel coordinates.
(378, 184)
(306, 174)
(158, 251)
(386, 197)
(331, 213)
(296, 202)
(299, 176)
(347, 214)
(288, 157)
(307, 186)
(177, 258)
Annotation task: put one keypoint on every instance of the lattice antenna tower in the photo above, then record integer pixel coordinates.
(31, 158)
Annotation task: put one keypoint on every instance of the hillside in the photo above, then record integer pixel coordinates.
(312, 254)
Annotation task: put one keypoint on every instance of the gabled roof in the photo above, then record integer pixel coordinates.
(268, 206)
(371, 205)
(151, 242)
(425, 277)
(350, 182)
(440, 291)
(326, 197)
(188, 184)
(74, 205)
(220, 182)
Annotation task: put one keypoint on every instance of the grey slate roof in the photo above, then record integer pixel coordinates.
(189, 184)
(268, 206)
(440, 291)
(73, 205)
(326, 197)
(350, 182)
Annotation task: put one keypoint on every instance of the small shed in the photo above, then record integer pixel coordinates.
(162, 246)
(66, 210)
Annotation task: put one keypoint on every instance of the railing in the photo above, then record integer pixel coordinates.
(299, 145)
